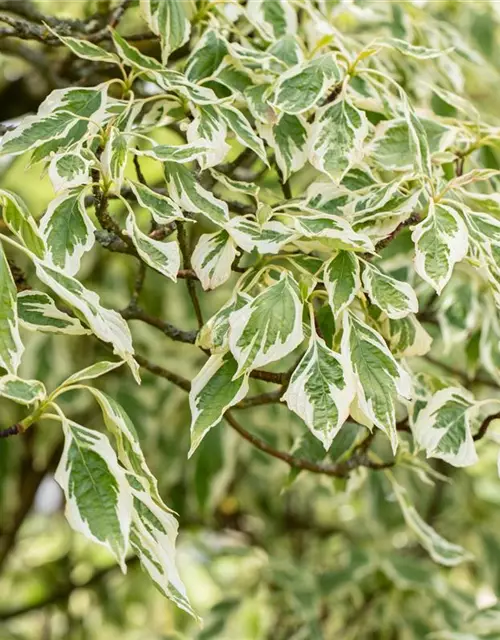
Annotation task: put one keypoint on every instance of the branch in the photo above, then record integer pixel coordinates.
(133, 312)
(155, 369)
(183, 243)
(339, 470)
(484, 426)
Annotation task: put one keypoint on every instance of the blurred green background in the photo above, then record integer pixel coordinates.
(263, 554)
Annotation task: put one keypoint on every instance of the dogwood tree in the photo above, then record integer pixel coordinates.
(318, 178)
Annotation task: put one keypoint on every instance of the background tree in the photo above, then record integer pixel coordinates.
(281, 217)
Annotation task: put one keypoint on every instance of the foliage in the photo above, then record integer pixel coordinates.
(323, 168)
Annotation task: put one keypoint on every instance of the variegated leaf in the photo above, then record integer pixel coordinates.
(114, 158)
(37, 311)
(338, 136)
(321, 390)
(170, 20)
(164, 257)
(441, 240)
(273, 18)
(19, 220)
(11, 347)
(304, 85)
(239, 186)
(288, 138)
(439, 549)
(67, 230)
(342, 281)
(86, 50)
(214, 333)
(269, 237)
(56, 116)
(176, 153)
(394, 145)
(128, 446)
(443, 427)
(242, 129)
(163, 210)
(21, 391)
(380, 380)
(209, 125)
(396, 298)
(213, 392)
(406, 337)
(207, 57)
(332, 231)
(212, 259)
(68, 170)
(152, 537)
(106, 324)
(188, 194)
(91, 372)
(98, 498)
(268, 328)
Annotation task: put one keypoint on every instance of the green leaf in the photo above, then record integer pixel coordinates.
(289, 138)
(269, 327)
(212, 259)
(188, 194)
(440, 550)
(273, 18)
(396, 298)
(209, 125)
(338, 136)
(321, 390)
(303, 86)
(98, 498)
(67, 230)
(21, 391)
(342, 281)
(164, 257)
(11, 347)
(162, 209)
(443, 427)
(239, 125)
(152, 537)
(37, 311)
(207, 57)
(170, 20)
(379, 378)
(18, 218)
(213, 392)
(441, 240)
(68, 170)
(106, 324)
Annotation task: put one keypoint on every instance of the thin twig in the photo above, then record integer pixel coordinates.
(186, 256)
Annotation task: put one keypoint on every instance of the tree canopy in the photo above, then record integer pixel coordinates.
(249, 321)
